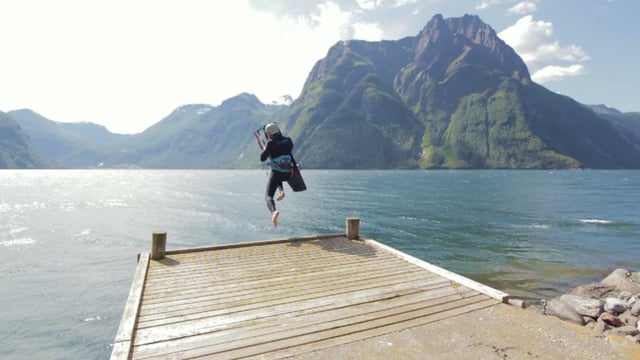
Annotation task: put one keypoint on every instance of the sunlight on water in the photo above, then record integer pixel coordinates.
(595, 221)
(17, 242)
(69, 239)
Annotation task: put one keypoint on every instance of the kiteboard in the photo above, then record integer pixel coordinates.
(296, 182)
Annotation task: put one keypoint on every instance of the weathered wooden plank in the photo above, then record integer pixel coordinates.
(254, 243)
(204, 311)
(126, 328)
(354, 331)
(308, 306)
(210, 297)
(121, 350)
(224, 278)
(229, 275)
(257, 277)
(284, 298)
(277, 278)
(372, 332)
(327, 243)
(496, 294)
(300, 321)
(357, 324)
(179, 329)
(195, 265)
(242, 257)
(227, 278)
(259, 310)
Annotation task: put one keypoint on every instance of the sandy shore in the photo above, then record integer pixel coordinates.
(498, 332)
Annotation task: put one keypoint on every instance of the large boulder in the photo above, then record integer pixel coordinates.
(593, 290)
(564, 311)
(635, 309)
(615, 305)
(584, 305)
(623, 280)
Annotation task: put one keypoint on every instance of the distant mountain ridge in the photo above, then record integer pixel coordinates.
(72, 144)
(192, 136)
(16, 149)
(454, 96)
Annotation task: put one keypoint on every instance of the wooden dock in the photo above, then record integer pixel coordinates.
(282, 298)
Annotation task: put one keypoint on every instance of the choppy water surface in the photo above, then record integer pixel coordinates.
(69, 239)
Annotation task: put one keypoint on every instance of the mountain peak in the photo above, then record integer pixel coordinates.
(242, 99)
(441, 39)
(470, 26)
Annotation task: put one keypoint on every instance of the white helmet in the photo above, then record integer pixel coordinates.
(271, 129)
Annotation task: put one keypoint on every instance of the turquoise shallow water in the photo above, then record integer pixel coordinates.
(69, 238)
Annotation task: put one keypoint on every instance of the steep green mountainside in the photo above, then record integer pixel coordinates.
(348, 115)
(571, 130)
(454, 96)
(16, 149)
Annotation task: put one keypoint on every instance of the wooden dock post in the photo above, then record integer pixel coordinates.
(353, 228)
(158, 245)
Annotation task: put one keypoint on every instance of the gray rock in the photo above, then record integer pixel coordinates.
(625, 330)
(593, 290)
(625, 295)
(623, 280)
(564, 311)
(615, 305)
(601, 327)
(635, 309)
(583, 305)
(629, 319)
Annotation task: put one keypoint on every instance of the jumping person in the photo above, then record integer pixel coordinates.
(278, 150)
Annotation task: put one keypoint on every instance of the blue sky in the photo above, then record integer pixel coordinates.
(126, 64)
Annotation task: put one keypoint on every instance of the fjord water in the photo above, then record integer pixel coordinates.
(69, 238)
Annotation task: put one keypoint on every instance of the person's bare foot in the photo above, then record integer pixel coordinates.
(274, 218)
(280, 195)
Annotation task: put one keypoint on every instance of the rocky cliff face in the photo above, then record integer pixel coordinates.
(442, 41)
(454, 96)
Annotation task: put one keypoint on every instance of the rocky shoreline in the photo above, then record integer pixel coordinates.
(608, 307)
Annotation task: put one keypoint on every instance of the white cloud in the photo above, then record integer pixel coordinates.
(526, 36)
(534, 42)
(485, 4)
(369, 4)
(395, 18)
(525, 7)
(553, 73)
(400, 3)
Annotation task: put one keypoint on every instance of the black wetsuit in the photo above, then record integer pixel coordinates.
(278, 147)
